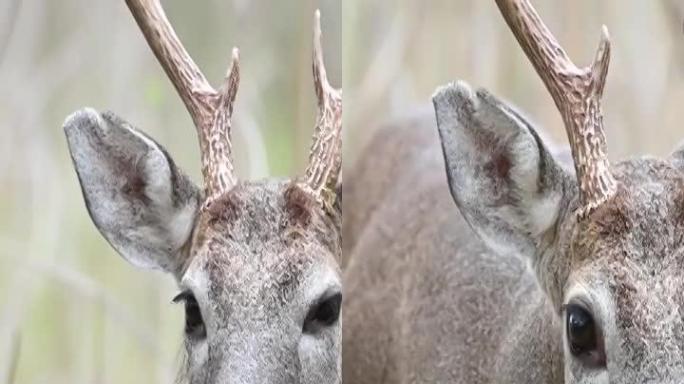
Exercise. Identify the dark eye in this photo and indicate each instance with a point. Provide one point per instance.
(583, 335)
(194, 325)
(323, 314)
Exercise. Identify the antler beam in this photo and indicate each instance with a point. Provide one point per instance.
(210, 109)
(577, 94)
(325, 159)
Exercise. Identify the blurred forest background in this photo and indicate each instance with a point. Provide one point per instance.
(71, 310)
(396, 52)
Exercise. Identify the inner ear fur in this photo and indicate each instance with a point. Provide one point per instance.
(142, 204)
(501, 175)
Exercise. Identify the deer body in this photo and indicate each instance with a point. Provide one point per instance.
(516, 269)
(426, 299)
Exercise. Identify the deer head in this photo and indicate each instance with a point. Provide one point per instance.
(256, 262)
(606, 242)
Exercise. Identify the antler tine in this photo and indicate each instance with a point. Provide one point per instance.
(577, 94)
(210, 110)
(325, 159)
(320, 75)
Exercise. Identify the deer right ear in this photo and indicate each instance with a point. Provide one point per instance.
(141, 203)
(504, 180)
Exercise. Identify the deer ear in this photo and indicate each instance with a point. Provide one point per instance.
(141, 203)
(502, 177)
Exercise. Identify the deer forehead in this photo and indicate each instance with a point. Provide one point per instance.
(642, 224)
(253, 244)
(630, 253)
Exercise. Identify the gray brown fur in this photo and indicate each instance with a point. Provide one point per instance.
(414, 264)
(261, 265)
(472, 292)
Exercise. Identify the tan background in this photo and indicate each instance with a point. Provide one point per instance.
(71, 310)
(398, 51)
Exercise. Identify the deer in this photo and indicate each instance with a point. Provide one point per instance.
(515, 268)
(256, 262)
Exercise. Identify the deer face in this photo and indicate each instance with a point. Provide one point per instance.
(262, 289)
(256, 262)
(621, 287)
(613, 275)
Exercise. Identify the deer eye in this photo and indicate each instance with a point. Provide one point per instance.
(583, 335)
(194, 324)
(323, 314)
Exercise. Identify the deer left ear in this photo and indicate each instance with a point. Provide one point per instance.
(504, 180)
(138, 199)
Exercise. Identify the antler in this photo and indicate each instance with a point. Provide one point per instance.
(577, 93)
(210, 109)
(325, 159)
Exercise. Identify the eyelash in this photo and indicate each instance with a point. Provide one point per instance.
(194, 321)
